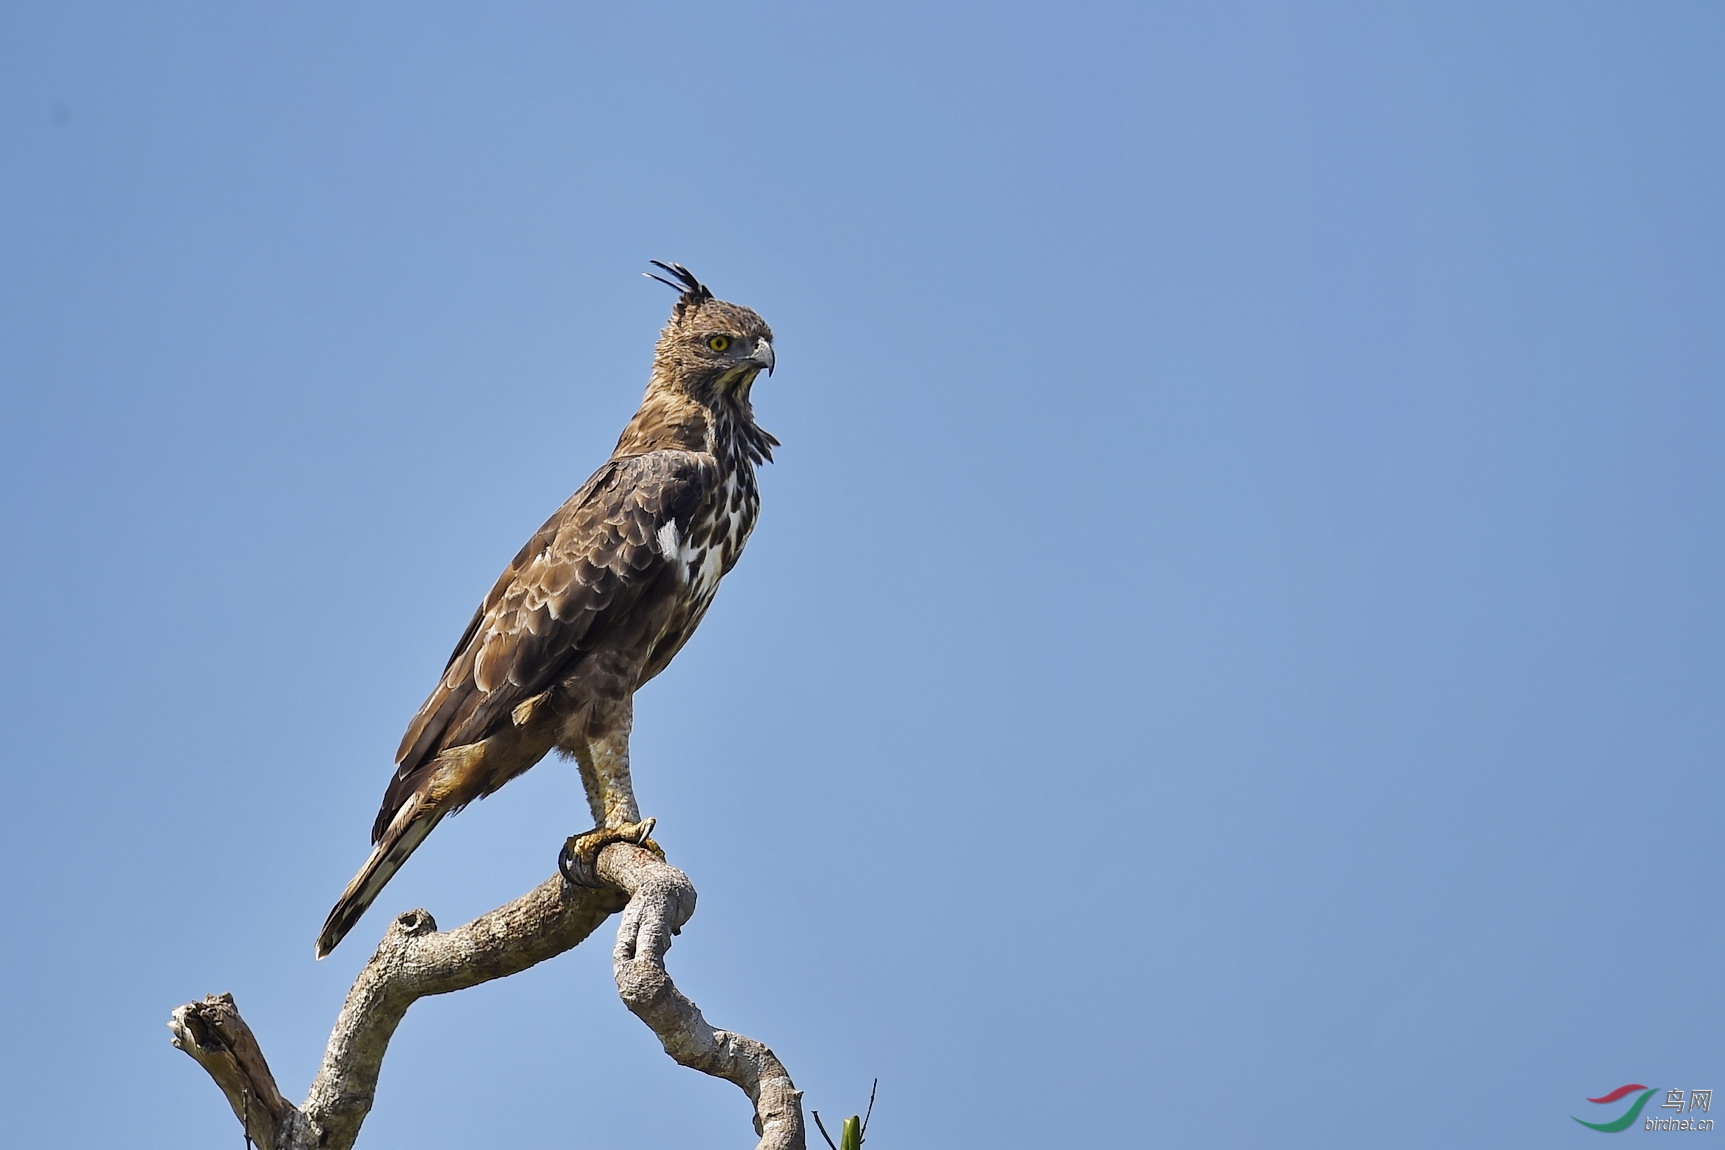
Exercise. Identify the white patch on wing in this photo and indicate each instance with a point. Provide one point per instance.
(668, 539)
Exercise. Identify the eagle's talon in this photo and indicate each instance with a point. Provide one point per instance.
(567, 864)
(578, 861)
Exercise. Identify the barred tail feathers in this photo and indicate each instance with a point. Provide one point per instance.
(400, 839)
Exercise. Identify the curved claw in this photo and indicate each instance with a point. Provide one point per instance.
(578, 861)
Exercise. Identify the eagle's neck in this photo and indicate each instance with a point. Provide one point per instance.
(720, 423)
(737, 440)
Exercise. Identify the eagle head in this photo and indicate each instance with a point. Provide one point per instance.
(710, 345)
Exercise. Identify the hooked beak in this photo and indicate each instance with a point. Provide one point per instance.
(763, 356)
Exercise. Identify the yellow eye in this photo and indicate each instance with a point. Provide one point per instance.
(718, 342)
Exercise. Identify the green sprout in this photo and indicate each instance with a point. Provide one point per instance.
(851, 1133)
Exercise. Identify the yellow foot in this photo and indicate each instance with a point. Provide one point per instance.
(579, 858)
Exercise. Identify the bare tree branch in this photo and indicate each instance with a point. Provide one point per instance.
(661, 901)
(213, 1033)
(415, 959)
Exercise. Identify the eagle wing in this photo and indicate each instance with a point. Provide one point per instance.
(583, 571)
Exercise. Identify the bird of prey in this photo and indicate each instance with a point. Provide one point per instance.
(596, 603)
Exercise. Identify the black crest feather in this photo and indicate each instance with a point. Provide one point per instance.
(691, 289)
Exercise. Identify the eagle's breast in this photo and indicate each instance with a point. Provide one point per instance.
(700, 553)
(716, 534)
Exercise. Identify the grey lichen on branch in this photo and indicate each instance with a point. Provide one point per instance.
(415, 960)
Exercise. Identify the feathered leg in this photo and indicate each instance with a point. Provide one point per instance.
(601, 747)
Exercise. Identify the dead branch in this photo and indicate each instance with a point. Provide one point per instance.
(661, 901)
(415, 959)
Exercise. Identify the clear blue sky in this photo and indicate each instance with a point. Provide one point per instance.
(1233, 654)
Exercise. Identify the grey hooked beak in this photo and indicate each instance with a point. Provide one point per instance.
(763, 356)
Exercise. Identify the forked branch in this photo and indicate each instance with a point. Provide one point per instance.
(415, 959)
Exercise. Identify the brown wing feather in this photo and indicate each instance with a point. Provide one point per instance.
(579, 574)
